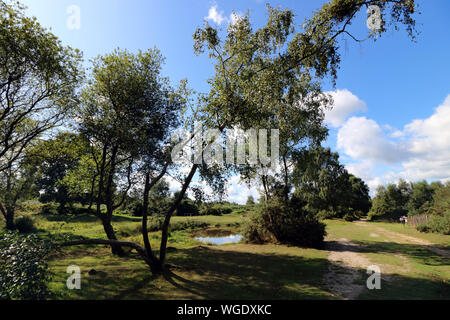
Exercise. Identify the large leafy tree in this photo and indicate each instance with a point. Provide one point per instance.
(38, 82)
(55, 158)
(126, 114)
(325, 186)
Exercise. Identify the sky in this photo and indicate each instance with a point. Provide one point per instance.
(391, 117)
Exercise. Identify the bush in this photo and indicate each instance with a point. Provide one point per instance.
(156, 225)
(24, 224)
(423, 228)
(437, 223)
(30, 206)
(353, 215)
(187, 208)
(23, 272)
(49, 209)
(215, 210)
(286, 224)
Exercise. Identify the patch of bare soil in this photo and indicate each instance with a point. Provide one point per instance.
(344, 274)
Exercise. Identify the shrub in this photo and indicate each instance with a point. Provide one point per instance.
(30, 206)
(437, 223)
(23, 272)
(156, 225)
(215, 210)
(49, 209)
(136, 209)
(188, 225)
(187, 208)
(353, 215)
(284, 223)
(440, 224)
(24, 224)
(423, 228)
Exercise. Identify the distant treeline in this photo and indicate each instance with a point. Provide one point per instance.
(413, 199)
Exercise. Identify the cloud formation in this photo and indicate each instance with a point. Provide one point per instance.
(218, 17)
(345, 104)
(421, 150)
(363, 138)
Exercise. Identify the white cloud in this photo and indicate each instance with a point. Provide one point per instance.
(421, 150)
(363, 138)
(239, 192)
(219, 17)
(216, 16)
(345, 104)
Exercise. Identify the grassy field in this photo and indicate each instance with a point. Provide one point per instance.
(413, 265)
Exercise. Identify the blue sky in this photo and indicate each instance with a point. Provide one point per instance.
(391, 119)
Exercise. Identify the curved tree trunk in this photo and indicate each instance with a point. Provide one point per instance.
(169, 212)
(109, 230)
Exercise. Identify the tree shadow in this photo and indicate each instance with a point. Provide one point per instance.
(419, 252)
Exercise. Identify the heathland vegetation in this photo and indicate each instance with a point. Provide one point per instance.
(86, 165)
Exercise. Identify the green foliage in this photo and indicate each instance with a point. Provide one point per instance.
(437, 223)
(390, 202)
(156, 225)
(286, 224)
(24, 224)
(55, 158)
(23, 272)
(44, 75)
(441, 200)
(187, 207)
(420, 198)
(250, 201)
(395, 200)
(326, 189)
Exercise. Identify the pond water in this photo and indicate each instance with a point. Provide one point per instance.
(234, 238)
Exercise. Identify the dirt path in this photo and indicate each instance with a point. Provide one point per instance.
(344, 271)
(345, 277)
(395, 236)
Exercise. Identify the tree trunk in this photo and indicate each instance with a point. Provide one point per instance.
(109, 230)
(9, 217)
(170, 211)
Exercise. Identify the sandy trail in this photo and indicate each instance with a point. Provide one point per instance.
(395, 236)
(344, 270)
(344, 276)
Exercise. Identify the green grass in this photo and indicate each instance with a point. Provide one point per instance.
(241, 271)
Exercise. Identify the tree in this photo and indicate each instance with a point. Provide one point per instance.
(16, 183)
(390, 201)
(38, 81)
(255, 68)
(326, 188)
(420, 198)
(250, 201)
(127, 112)
(54, 158)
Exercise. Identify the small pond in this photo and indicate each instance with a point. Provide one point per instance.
(234, 238)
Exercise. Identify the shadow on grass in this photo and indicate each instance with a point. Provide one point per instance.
(422, 253)
(213, 273)
(208, 273)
